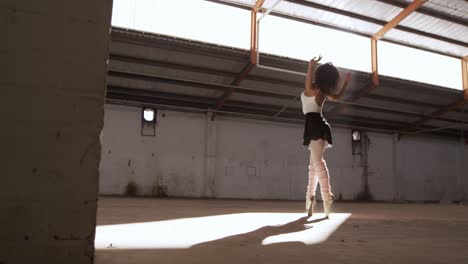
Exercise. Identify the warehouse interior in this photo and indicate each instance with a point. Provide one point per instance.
(125, 145)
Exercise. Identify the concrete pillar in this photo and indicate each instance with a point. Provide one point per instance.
(209, 183)
(397, 174)
(465, 170)
(53, 78)
(461, 183)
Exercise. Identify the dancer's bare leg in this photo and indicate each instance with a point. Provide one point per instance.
(319, 166)
(317, 148)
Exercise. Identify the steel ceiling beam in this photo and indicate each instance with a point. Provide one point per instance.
(402, 100)
(133, 91)
(227, 93)
(247, 91)
(397, 19)
(362, 92)
(381, 123)
(442, 128)
(451, 107)
(123, 95)
(386, 28)
(253, 56)
(171, 65)
(374, 63)
(159, 41)
(197, 69)
(388, 110)
(145, 100)
(195, 84)
(253, 31)
(374, 50)
(418, 123)
(122, 92)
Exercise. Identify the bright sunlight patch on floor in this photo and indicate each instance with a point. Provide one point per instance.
(188, 232)
(317, 230)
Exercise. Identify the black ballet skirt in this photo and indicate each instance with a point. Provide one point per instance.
(316, 127)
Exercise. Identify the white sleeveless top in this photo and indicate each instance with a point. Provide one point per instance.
(309, 105)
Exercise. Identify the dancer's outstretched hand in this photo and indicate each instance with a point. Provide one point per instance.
(315, 59)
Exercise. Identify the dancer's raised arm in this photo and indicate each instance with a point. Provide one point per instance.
(336, 97)
(309, 88)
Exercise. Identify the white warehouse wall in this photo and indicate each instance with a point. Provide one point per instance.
(231, 157)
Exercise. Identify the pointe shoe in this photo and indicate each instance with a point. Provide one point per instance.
(327, 206)
(310, 205)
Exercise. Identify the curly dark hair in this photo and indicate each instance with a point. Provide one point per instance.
(326, 78)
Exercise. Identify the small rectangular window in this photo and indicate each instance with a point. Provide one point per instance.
(148, 121)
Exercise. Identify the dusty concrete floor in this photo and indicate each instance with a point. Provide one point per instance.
(373, 233)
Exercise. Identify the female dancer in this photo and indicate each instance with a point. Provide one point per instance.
(319, 86)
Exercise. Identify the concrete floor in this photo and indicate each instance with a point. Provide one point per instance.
(242, 231)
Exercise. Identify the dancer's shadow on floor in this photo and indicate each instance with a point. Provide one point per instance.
(257, 236)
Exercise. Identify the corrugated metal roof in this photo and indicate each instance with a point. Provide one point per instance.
(314, 14)
(436, 26)
(457, 8)
(369, 8)
(426, 42)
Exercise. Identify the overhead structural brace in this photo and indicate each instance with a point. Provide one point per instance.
(254, 31)
(390, 25)
(253, 56)
(387, 27)
(374, 56)
(443, 110)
